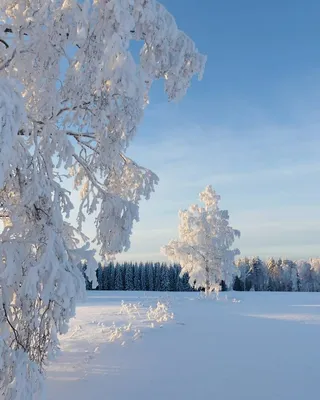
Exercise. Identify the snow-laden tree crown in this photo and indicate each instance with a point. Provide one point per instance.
(203, 247)
(71, 97)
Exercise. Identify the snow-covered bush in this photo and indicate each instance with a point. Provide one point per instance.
(130, 309)
(71, 98)
(160, 313)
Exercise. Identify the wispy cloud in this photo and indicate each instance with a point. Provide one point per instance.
(266, 170)
(267, 176)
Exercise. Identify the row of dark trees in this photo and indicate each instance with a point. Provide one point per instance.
(143, 276)
(251, 274)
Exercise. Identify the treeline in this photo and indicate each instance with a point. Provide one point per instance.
(144, 276)
(280, 275)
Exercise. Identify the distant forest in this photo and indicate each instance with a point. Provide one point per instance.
(251, 274)
(143, 276)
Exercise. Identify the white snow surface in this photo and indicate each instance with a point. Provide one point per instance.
(246, 346)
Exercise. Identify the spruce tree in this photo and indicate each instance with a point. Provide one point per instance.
(99, 276)
(238, 284)
(151, 270)
(119, 281)
(184, 283)
(157, 277)
(164, 278)
(128, 280)
(172, 279)
(137, 277)
(144, 277)
(111, 285)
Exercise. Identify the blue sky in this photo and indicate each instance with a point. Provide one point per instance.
(250, 128)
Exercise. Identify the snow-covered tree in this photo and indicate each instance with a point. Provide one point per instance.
(315, 268)
(257, 274)
(290, 276)
(305, 276)
(244, 273)
(205, 237)
(71, 97)
(274, 276)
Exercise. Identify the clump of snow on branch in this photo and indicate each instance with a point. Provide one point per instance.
(205, 237)
(11, 116)
(71, 98)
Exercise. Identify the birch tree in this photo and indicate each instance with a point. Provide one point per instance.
(203, 248)
(71, 98)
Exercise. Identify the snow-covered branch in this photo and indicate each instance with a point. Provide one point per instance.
(71, 97)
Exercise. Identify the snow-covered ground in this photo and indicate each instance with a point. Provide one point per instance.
(249, 346)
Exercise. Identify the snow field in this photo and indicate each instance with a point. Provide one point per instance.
(246, 346)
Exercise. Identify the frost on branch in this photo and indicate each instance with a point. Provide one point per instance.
(11, 117)
(71, 98)
(205, 238)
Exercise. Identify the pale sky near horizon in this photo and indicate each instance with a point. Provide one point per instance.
(250, 128)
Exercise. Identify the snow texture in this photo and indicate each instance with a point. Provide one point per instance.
(246, 346)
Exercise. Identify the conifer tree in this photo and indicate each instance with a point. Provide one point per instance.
(164, 278)
(137, 277)
(144, 277)
(129, 276)
(150, 270)
(119, 281)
